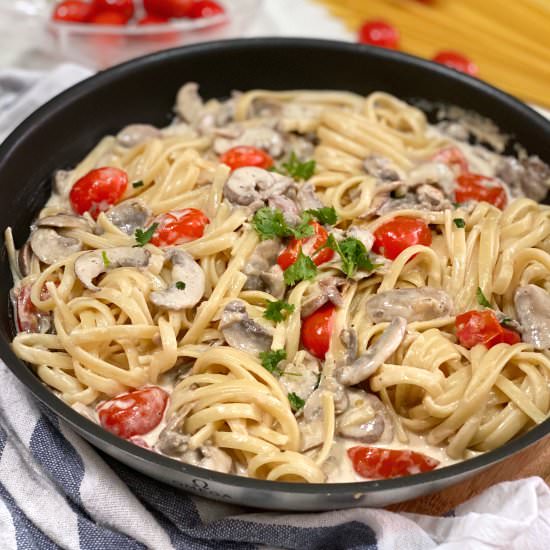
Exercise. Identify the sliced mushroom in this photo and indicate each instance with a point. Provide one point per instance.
(171, 440)
(348, 337)
(62, 183)
(50, 247)
(366, 419)
(184, 270)
(300, 376)
(92, 264)
(313, 409)
(261, 137)
(189, 104)
(533, 312)
(381, 168)
(262, 271)
(413, 304)
(64, 221)
(288, 207)
(250, 184)
(242, 332)
(24, 259)
(134, 134)
(530, 176)
(363, 367)
(431, 198)
(129, 215)
(325, 290)
(307, 199)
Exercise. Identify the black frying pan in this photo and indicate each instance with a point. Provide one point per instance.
(59, 134)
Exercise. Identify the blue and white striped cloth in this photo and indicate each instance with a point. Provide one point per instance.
(56, 491)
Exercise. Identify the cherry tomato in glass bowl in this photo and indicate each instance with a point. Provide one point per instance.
(168, 8)
(133, 413)
(179, 226)
(398, 234)
(98, 190)
(205, 8)
(471, 187)
(124, 7)
(482, 327)
(73, 11)
(379, 33)
(456, 61)
(317, 329)
(309, 246)
(244, 155)
(379, 463)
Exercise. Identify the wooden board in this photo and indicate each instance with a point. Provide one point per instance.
(533, 461)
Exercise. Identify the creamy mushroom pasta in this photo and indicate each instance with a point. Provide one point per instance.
(297, 286)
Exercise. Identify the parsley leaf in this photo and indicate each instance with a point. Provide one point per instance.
(303, 268)
(180, 285)
(481, 299)
(303, 229)
(137, 184)
(326, 215)
(270, 359)
(106, 261)
(270, 223)
(459, 222)
(143, 237)
(296, 402)
(299, 170)
(353, 253)
(278, 310)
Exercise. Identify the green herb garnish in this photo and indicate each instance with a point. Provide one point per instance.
(137, 184)
(353, 254)
(106, 261)
(326, 215)
(481, 299)
(143, 237)
(459, 222)
(507, 321)
(303, 268)
(296, 402)
(180, 285)
(270, 223)
(270, 359)
(297, 169)
(278, 310)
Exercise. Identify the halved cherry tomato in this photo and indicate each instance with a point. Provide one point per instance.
(482, 327)
(379, 463)
(168, 8)
(204, 8)
(379, 33)
(153, 20)
(27, 319)
(108, 18)
(133, 413)
(243, 155)
(98, 190)
(470, 187)
(316, 330)
(452, 157)
(73, 11)
(179, 226)
(309, 246)
(456, 61)
(123, 7)
(507, 336)
(394, 236)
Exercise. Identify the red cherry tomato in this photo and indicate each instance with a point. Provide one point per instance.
(379, 463)
(482, 327)
(153, 20)
(379, 33)
(72, 11)
(456, 61)
(452, 157)
(309, 246)
(316, 330)
(243, 155)
(124, 7)
(507, 336)
(204, 8)
(133, 413)
(108, 18)
(98, 190)
(168, 8)
(27, 319)
(394, 236)
(470, 187)
(179, 226)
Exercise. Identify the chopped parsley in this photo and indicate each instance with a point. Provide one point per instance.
(143, 237)
(326, 215)
(270, 223)
(137, 184)
(297, 169)
(481, 299)
(303, 268)
(106, 261)
(270, 359)
(353, 253)
(277, 310)
(507, 321)
(459, 222)
(296, 402)
(180, 285)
